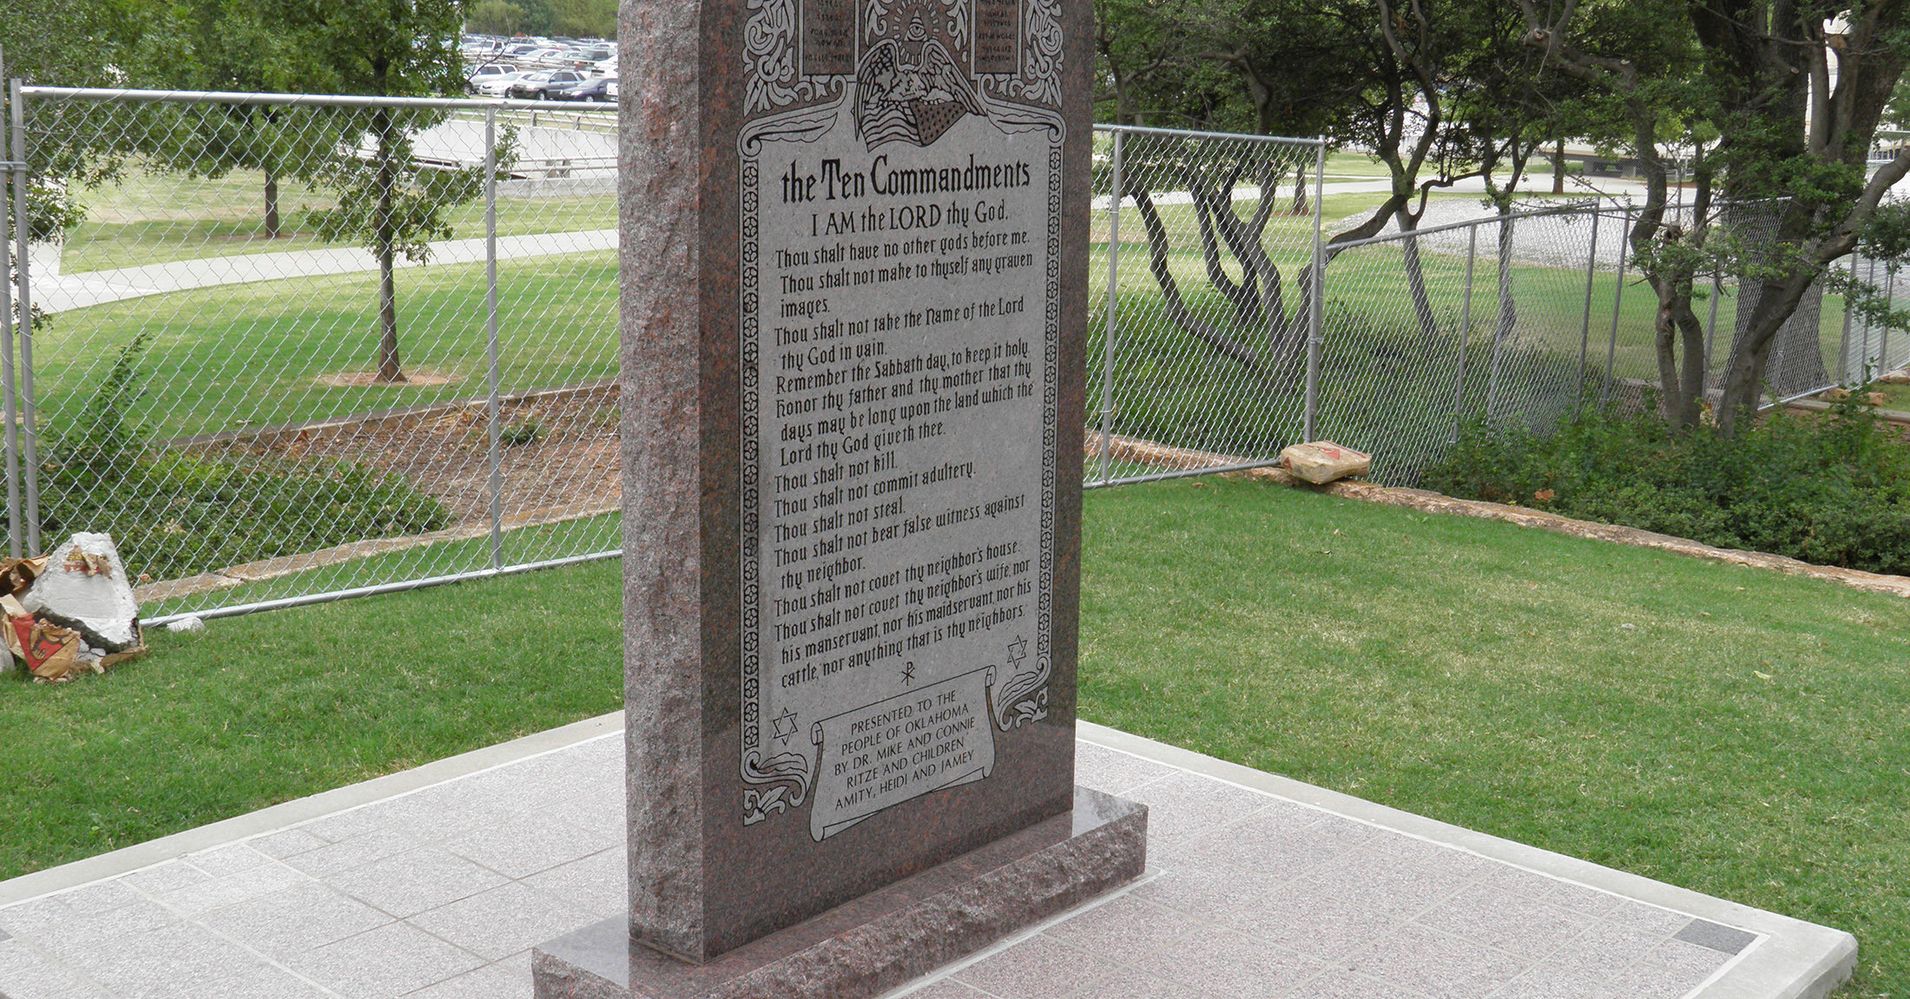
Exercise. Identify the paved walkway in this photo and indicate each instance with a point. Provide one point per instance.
(436, 884)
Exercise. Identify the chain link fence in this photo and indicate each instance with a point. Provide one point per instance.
(1474, 314)
(295, 348)
(310, 346)
(1202, 297)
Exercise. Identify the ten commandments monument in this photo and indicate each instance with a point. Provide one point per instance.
(854, 238)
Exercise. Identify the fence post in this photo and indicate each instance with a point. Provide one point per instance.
(1870, 281)
(1618, 299)
(1585, 327)
(1111, 323)
(13, 185)
(25, 434)
(1500, 330)
(1316, 304)
(1883, 339)
(1843, 342)
(1711, 324)
(1465, 335)
(490, 334)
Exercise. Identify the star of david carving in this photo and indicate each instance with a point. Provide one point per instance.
(784, 726)
(1017, 650)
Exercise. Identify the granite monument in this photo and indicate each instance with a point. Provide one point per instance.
(854, 238)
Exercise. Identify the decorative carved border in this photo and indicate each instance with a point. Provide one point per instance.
(772, 70)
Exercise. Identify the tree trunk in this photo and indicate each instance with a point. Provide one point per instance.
(1299, 188)
(1558, 167)
(1677, 331)
(271, 205)
(390, 370)
(1416, 275)
(1171, 301)
(1744, 379)
(1508, 305)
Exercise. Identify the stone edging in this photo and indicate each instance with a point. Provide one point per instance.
(1426, 501)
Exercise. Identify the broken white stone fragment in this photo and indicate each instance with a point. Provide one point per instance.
(85, 588)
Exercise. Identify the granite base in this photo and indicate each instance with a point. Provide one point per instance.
(883, 939)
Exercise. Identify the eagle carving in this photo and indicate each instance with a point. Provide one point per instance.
(911, 91)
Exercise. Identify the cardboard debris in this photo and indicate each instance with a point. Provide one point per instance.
(16, 574)
(49, 651)
(1321, 462)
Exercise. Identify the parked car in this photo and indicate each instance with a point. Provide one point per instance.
(536, 86)
(477, 76)
(498, 86)
(602, 88)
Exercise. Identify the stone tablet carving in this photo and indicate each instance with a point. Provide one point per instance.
(900, 229)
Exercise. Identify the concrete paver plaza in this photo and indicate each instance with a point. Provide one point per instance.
(437, 883)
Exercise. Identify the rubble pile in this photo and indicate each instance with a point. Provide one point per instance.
(71, 612)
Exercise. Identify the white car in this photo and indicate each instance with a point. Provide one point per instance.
(496, 86)
(488, 71)
(534, 86)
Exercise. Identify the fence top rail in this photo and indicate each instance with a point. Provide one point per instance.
(1176, 133)
(310, 100)
(1571, 208)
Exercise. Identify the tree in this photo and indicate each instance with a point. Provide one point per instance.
(1389, 76)
(224, 45)
(1214, 66)
(69, 43)
(385, 200)
(496, 17)
(1745, 85)
(584, 18)
(63, 43)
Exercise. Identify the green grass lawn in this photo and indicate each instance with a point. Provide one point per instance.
(250, 355)
(523, 546)
(154, 218)
(253, 355)
(1733, 731)
(1895, 397)
(273, 707)
(1738, 732)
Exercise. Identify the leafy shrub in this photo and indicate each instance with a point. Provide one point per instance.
(1831, 488)
(174, 514)
(520, 433)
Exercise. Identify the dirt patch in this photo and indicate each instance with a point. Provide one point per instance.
(572, 464)
(369, 379)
